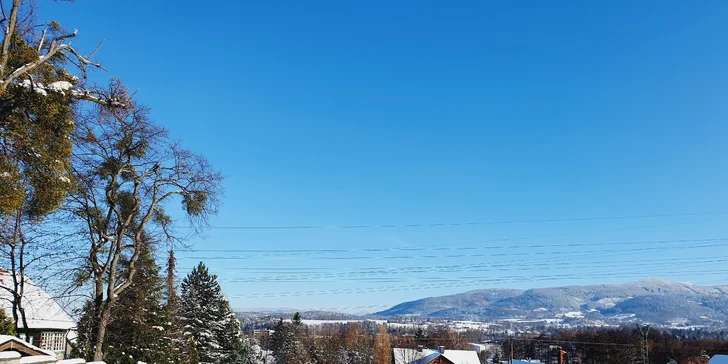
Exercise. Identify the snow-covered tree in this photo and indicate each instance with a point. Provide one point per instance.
(287, 348)
(209, 321)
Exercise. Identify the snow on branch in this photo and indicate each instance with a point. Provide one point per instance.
(57, 46)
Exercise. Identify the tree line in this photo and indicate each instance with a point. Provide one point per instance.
(369, 343)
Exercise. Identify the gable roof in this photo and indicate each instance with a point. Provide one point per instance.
(410, 356)
(12, 343)
(719, 359)
(41, 311)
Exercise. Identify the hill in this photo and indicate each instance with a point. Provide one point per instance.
(652, 300)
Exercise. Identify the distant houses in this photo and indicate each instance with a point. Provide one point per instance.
(49, 326)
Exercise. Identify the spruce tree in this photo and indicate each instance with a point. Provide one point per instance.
(208, 319)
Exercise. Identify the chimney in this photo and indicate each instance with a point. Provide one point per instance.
(419, 348)
(441, 349)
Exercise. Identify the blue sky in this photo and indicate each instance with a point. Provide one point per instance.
(330, 113)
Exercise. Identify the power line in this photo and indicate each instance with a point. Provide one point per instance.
(442, 245)
(293, 252)
(561, 257)
(479, 267)
(389, 226)
(437, 256)
(473, 282)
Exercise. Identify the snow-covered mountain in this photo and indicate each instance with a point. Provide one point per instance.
(652, 300)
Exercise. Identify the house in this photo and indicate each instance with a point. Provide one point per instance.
(479, 348)
(439, 356)
(719, 359)
(49, 325)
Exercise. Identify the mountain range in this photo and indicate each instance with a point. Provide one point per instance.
(654, 301)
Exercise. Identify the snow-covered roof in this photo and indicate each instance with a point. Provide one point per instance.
(719, 359)
(409, 356)
(4, 339)
(462, 356)
(41, 311)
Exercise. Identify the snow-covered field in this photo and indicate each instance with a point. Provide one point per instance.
(324, 322)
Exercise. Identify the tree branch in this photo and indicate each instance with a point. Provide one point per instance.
(54, 49)
(9, 31)
(42, 40)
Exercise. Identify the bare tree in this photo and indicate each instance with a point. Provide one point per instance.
(127, 171)
(31, 249)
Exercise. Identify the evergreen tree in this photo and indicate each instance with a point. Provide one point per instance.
(208, 319)
(420, 337)
(7, 326)
(297, 319)
(85, 330)
(287, 349)
(140, 320)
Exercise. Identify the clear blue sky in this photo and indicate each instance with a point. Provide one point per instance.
(333, 113)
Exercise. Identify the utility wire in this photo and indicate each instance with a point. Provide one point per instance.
(388, 226)
(445, 245)
(722, 242)
(294, 252)
(475, 282)
(479, 267)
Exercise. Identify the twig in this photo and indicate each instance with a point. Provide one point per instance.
(42, 40)
(95, 50)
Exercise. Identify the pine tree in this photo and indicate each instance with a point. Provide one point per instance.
(208, 319)
(382, 348)
(297, 319)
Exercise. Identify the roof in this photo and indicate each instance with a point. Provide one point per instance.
(409, 356)
(41, 311)
(8, 343)
(719, 359)
(462, 356)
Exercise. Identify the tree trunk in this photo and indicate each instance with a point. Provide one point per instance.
(103, 323)
(97, 335)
